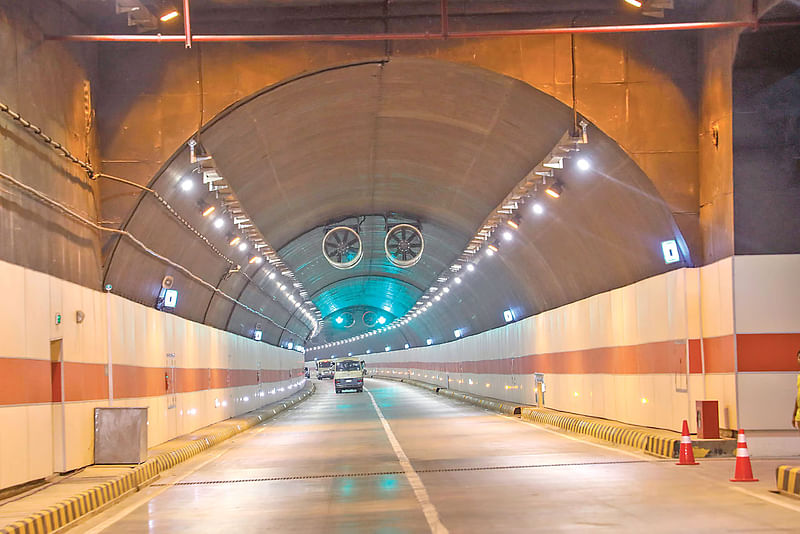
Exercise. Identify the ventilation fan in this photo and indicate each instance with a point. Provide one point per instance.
(342, 247)
(370, 318)
(404, 245)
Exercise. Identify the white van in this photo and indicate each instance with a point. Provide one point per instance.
(349, 374)
(324, 369)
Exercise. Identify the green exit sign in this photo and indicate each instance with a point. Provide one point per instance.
(58, 319)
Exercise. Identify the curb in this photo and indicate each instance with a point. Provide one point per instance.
(175, 451)
(788, 480)
(627, 435)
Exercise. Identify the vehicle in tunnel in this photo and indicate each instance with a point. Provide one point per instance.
(349, 375)
(325, 369)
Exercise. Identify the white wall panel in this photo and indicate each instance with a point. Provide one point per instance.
(767, 293)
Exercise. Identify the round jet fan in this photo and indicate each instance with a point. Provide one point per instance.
(342, 247)
(370, 318)
(404, 245)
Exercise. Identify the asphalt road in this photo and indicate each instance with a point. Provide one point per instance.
(398, 459)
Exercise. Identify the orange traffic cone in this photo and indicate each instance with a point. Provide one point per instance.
(686, 456)
(744, 471)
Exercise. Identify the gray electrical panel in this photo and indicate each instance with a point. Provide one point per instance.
(120, 435)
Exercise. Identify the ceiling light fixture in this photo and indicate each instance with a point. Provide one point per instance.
(514, 222)
(219, 222)
(242, 246)
(508, 236)
(470, 267)
(538, 209)
(169, 15)
(208, 211)
(235, 241)
(583, 164)
(634, 3)
(555, 189)
(187, 185)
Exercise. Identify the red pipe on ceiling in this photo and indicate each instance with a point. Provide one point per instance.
(630, 28)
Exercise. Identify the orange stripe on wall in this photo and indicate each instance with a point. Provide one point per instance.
(648, 358)
(768, 352)
(85, 381)
(719, 354)
(24, 381)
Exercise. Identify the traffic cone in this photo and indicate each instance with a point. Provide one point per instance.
(686, 456)
(744, 471)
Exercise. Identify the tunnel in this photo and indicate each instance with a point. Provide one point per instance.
(407, 266)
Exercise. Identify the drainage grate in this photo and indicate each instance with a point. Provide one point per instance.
(383, 473)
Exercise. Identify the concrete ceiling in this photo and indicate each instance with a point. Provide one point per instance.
(424, 140)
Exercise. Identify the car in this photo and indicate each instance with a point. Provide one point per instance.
(349, 375)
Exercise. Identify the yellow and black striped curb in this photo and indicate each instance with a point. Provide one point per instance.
(162, 457)
(620, 434)
(627, 435)
(788, 479)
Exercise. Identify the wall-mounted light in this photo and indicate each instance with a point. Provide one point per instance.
(508, 315)
(256, 260)
(290, 345)
(257, 335)
(457, 332)
(407, 345)
(555, 189)
(429, 341)
(387, 348)
(381, 320)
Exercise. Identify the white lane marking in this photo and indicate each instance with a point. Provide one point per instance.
(613, 449)
(767, 498)
(431, 515)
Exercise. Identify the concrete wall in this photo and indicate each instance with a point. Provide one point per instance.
(116, 356)
(645, 353)
(52, 86)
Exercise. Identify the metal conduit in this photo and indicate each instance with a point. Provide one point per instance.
(41, 197)
(629, 28)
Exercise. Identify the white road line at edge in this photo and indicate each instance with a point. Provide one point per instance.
(767, 498)
(431, 515)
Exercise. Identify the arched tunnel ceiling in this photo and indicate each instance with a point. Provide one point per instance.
(439, 143)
